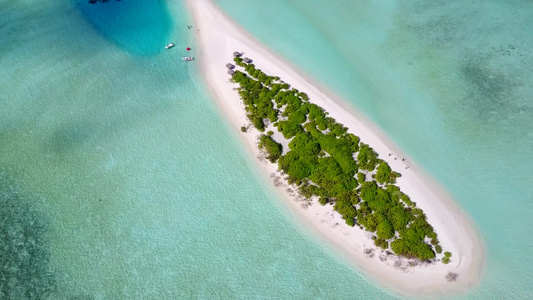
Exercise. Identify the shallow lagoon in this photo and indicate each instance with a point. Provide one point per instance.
(135, 186)
(134, 180)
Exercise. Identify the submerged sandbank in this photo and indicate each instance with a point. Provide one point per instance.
(218, 37)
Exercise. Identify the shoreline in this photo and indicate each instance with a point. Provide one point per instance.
(217, 38)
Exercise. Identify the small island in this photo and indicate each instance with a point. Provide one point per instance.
(327, 163)
(309, 144)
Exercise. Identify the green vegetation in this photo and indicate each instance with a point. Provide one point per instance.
(328, 163)
(361, 178)
(447, 258)
(383, 244)
(367, 158)
(243, 128)
(273, 149)
(384, 174)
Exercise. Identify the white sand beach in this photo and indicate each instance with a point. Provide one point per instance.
(217, 38)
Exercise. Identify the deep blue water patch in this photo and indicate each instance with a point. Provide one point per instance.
(141, 27)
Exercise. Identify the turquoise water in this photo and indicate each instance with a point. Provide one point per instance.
(120, 180)
(450, 82)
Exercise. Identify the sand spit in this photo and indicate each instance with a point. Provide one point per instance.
(218, 37)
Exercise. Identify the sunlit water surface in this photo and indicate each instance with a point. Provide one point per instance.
(120, 180)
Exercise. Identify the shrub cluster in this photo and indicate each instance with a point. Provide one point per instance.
(447, 257)
(272, 148)
(327, 162)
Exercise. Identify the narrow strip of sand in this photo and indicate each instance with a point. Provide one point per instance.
(218, 37)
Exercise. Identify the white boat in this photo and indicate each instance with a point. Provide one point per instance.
(170, 46)
(187, 58)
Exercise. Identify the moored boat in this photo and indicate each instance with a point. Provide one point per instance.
(170, 46)
(187, 58)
